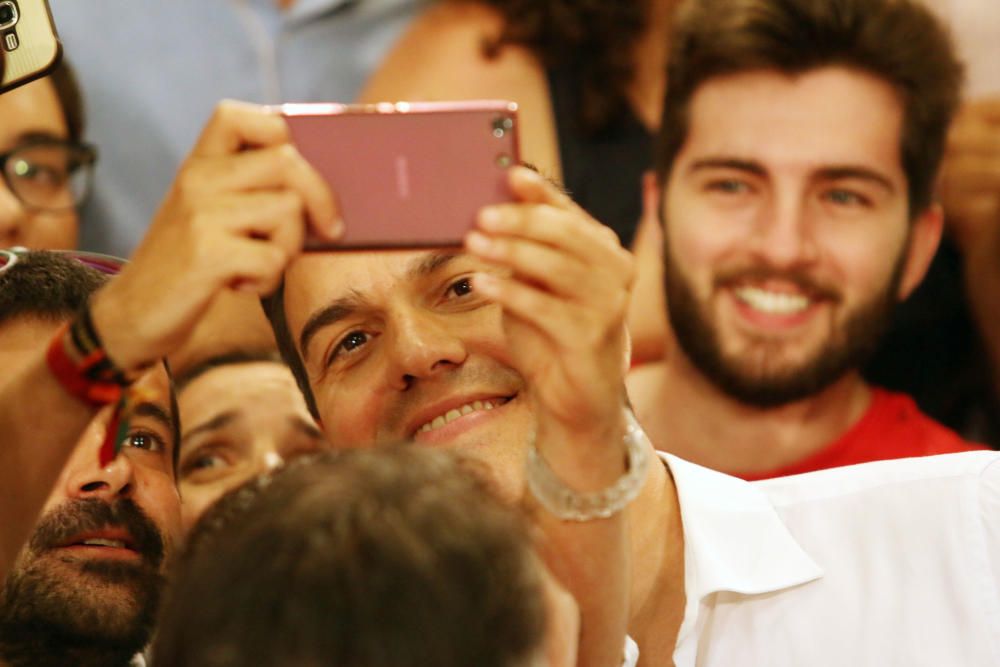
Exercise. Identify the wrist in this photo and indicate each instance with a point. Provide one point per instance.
(565, 502)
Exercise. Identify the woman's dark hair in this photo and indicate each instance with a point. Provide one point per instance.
(70, 98)
(595, 37)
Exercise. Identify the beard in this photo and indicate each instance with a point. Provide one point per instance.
(759, 379)
(56, 609)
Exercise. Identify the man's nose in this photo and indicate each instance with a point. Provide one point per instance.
(117, 479)
(783, 233)
(422, 344)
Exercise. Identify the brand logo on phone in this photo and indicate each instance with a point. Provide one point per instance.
(402, 177)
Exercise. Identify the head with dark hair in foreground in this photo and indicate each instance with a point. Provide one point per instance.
(363, 558)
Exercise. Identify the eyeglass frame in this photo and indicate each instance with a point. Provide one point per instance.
(87, 151)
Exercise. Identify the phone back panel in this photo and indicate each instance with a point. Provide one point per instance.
(408, 175)
(36, 49)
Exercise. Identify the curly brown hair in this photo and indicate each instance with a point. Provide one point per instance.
(595, 37)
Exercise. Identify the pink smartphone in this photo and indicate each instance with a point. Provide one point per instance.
(408, 174)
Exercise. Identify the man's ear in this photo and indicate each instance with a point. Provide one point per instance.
(925, 236)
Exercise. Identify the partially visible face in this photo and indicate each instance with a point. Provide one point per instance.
(788, 238)
(92, 570)
(398, 346)
(239, 420)
(33, 112)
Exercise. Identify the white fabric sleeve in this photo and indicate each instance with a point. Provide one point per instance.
(631, 653)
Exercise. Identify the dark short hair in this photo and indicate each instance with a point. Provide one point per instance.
(897, 41)
(384, 557)
(274, 309)
(47, 285)
(67, 88)
(54, 287)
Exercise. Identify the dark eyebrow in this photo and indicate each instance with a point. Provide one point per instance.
(346, 306)
(330, 314)
(212, 424)
(36, 136)
(155, 412)
(427, 264)
(728, 163)
(862, 173)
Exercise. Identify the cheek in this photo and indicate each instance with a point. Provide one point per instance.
(158, 496)
(52, 231)
(860, 259)
(349, 417)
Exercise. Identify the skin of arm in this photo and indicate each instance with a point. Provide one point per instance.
(440, 57)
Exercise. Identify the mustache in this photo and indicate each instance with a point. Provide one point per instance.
(800, 279)
(89, 515)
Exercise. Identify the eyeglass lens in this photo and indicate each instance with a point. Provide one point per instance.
(49, 176)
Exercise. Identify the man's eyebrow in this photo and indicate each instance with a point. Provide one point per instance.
(34, 136)
(216, 422)
(324, 317)
(155, 412)
(863, 173)
(728, 163)
(428, 263)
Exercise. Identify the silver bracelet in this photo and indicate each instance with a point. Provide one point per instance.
(565, 503)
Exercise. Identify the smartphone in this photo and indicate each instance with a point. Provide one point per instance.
(408, 174)
(29, 46)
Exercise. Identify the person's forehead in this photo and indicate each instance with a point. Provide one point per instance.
(244, 388)
(832, 116)
(317, 279)
(32, 109)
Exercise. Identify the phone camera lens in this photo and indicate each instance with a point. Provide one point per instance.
(8, 14)
(500, 126)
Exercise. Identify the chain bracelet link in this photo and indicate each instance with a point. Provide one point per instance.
(565, 503)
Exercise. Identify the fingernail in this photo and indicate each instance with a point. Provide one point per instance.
(336, 227)
(490, 219)
(478, 243)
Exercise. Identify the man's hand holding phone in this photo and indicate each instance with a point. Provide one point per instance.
(234, 217)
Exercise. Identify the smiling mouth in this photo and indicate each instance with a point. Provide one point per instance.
(772, 303)
(462, 411)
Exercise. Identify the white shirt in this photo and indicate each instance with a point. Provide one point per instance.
(888, 563)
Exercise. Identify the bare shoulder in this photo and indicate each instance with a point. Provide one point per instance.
(441, 57)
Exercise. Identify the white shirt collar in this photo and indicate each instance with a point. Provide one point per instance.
(734, 539)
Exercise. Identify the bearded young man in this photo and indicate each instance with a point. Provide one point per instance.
(84, 588)
(796, 182)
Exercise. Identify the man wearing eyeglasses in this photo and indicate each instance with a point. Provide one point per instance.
(46, 167)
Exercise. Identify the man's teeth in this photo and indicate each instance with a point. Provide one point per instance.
(101, 542)
(454, 414)
(772, 302)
